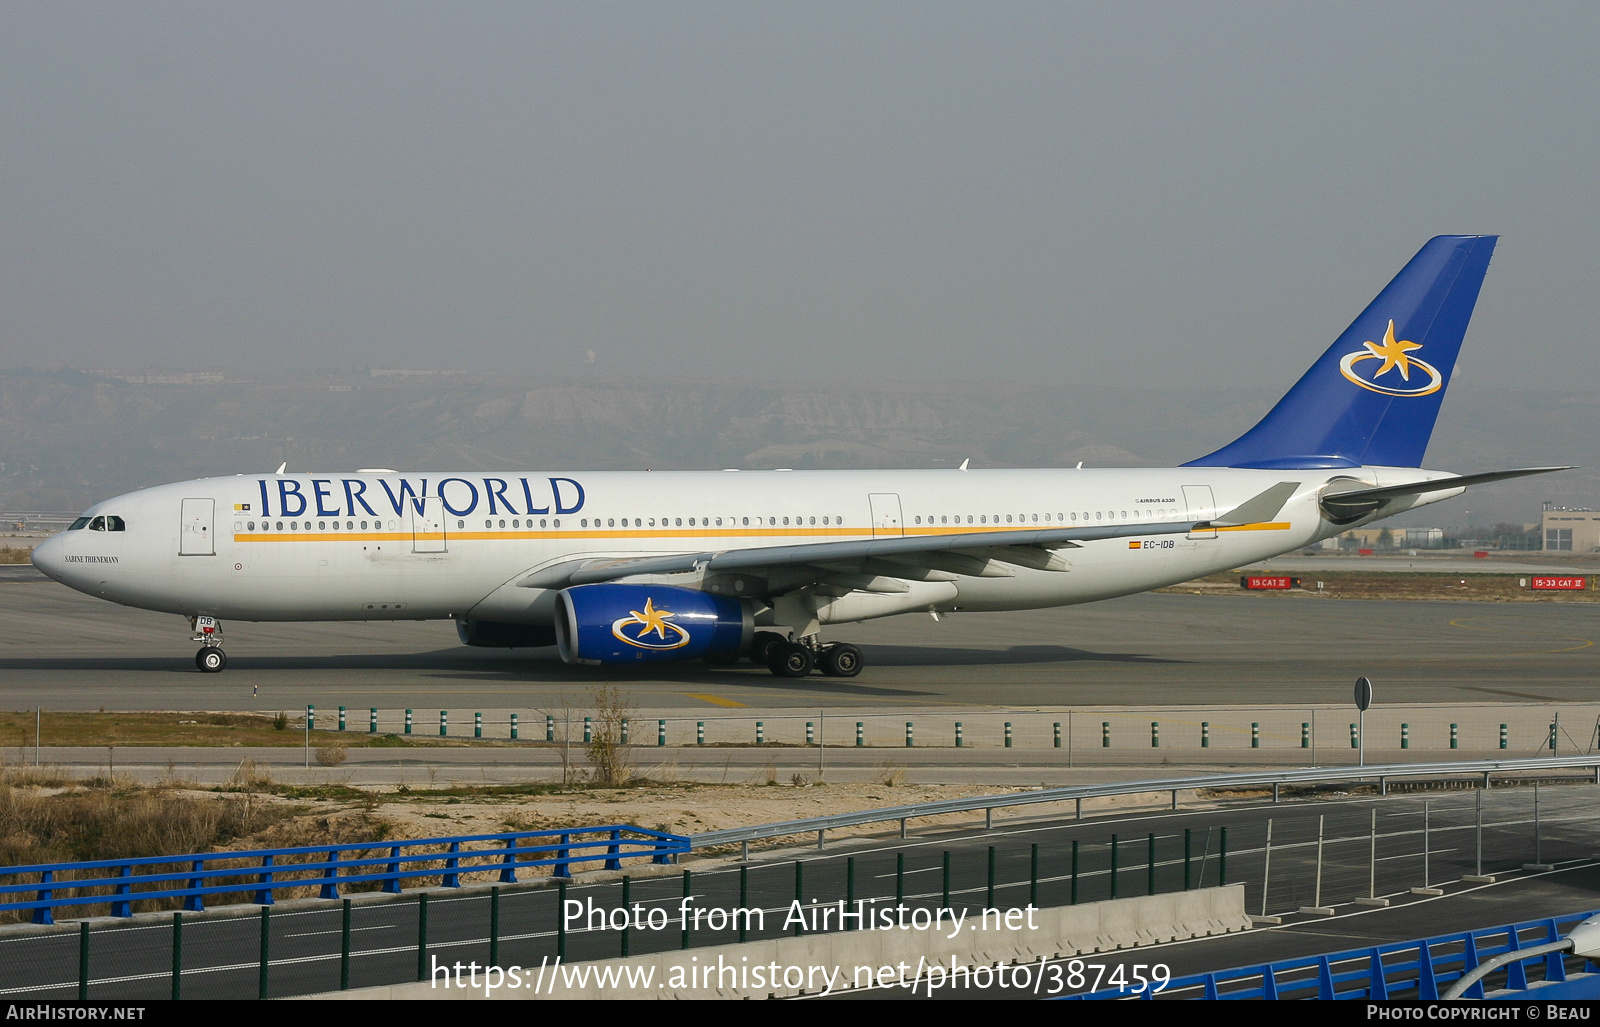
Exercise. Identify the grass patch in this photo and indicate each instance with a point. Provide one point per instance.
(1485, 586)
(47, 816)
(198, 729)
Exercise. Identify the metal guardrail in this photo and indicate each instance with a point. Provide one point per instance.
(1401, 970)
(126, 881)
(1078, 793)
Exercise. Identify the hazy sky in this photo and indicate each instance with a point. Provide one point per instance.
(1161, 194)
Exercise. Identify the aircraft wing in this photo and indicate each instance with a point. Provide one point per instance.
(972, 552)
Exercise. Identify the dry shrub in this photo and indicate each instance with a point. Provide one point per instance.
(612, 762)
(172, 780)
(21, 775)
(37, 827)
(332, 754)
(91, 825)
(250, 777)
(891, 775)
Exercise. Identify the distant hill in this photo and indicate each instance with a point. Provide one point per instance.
(69, 438)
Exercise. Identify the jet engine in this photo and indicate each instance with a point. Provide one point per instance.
(491, 634)
(610, 623)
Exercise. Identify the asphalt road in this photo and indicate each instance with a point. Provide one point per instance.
(64, 650)
(221, 955)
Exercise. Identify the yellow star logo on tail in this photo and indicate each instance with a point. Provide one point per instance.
(1393, 353)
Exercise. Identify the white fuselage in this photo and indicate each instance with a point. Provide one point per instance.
(390, 546)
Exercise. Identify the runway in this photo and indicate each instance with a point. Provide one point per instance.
(64, 650)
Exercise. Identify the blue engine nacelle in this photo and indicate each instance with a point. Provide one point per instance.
(634, 623)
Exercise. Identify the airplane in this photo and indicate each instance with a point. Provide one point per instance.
(627, 568)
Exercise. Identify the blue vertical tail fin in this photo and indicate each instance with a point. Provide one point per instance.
(1373, 397)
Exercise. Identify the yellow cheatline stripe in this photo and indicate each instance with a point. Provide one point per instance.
(715, 700)
(648, 533)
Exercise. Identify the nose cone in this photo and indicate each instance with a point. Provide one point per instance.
(49, 557)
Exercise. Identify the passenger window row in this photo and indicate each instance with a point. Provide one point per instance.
(706, 522)
(1060, 518)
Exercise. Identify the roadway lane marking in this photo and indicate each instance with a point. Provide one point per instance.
(313, 934)
(715, 700)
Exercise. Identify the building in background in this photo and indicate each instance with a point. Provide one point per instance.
(1570, 530)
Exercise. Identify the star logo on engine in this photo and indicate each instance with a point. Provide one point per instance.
(636, 628)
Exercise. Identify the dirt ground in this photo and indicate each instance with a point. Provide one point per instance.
(674, 808)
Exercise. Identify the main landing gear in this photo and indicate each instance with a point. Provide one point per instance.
(797, 659)
(208, 631)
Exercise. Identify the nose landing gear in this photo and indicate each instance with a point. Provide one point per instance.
(208, 631)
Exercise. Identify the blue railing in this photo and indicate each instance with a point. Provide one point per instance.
(261, 872)
(1402, 970)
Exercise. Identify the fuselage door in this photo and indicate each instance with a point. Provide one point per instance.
(1202, 506)
(886, 519)
(195, 538)
(427, 525)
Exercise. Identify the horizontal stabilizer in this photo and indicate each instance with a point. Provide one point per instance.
(1345, 506)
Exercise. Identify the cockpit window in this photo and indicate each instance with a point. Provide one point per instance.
(81, 522)
(98, 524)
(115, 523)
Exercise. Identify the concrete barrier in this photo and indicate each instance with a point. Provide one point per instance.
(1059, 932)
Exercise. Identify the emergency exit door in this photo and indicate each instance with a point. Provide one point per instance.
(1202, 507)
(427, 525)
(194, 538)
(886, 519)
